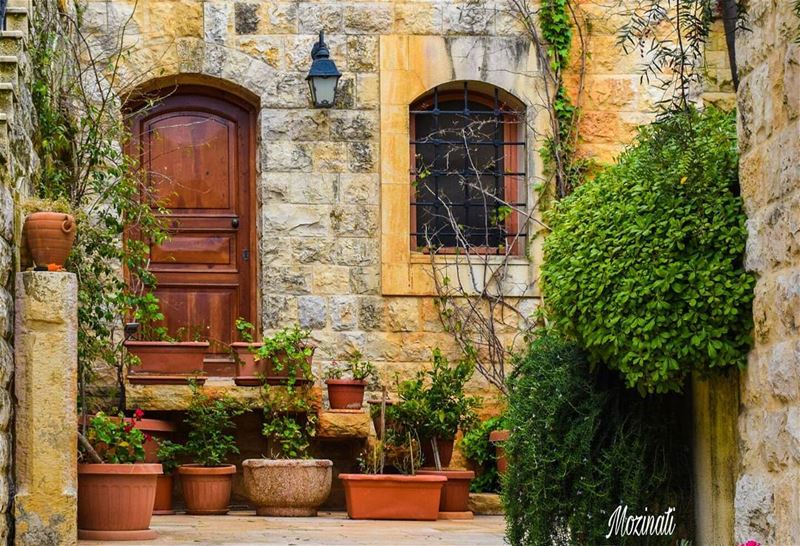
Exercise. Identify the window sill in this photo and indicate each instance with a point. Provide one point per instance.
(476, 259)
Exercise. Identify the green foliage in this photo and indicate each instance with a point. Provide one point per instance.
(80, 137)
(290, 422)
(116, 440)
(433, 404)
(476, 447)
(644, 264)
(356, 367)
(168, 453)
(210, 421)
(288, 349)
(581, 444)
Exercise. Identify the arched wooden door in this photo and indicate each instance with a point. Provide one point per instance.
(196, 153)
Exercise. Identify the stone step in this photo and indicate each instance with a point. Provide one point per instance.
(6, 97)
(11, 42)
(4, 144)
(8, 69)
(17, 19)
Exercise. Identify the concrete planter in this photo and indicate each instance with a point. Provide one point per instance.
(115, 501)
(391, 496)
(287, 487)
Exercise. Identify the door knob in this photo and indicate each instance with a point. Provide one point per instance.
(235, 222)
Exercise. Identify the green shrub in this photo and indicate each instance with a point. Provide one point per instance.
(582, 444)
(477, 448)
(644, 264)
(210, 422)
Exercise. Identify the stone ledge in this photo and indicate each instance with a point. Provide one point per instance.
(486, 504)
(177, 397)
(344, 424)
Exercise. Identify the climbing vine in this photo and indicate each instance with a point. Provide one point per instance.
(80, 135)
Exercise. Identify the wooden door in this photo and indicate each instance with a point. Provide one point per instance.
(196, 153)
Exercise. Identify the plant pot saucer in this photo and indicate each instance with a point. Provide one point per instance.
(142, 534)
(164, 379)
(456, 515)
(164, 512)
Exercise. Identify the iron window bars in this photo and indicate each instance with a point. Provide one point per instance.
(467, 171)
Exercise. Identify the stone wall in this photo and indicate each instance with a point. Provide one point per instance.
(325, 210)
(767, 499)
(17, 161)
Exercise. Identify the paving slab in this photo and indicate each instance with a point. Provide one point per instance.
(329, 529)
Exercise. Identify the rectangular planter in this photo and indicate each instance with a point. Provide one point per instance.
(385, 496)
(252, 372)
(181, 358)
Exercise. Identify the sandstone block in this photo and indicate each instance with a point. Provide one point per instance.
(369, 18)
(343, 424)
(418, 18)
(486, 504)
(362, 53)
(312, 311)
(344, 312)
(468, 18)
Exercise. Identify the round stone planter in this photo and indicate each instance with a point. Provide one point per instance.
(115, 501)
(290, 487)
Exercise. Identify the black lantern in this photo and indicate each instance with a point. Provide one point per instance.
(323, 76)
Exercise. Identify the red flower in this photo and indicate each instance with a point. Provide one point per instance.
(138, 414)
(128, 427)
(750, 543)
(147, 437)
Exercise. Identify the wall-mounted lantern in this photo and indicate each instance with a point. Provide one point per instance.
(324, 76)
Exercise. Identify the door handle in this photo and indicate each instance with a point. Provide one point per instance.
(235, 222)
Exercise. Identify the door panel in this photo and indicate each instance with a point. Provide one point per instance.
(195, 148)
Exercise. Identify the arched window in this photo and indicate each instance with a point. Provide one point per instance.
(468, 170)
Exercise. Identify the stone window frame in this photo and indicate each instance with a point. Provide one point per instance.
(410, 66)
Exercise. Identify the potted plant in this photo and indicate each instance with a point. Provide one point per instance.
(116, 492)
(288, 482)
(478, 448)
(435, 406)
(206, 483)
(498, 438)
(348, 393)
(374, 494)
(158, 357)
(49, 231)
(282, 358)
(167, 456)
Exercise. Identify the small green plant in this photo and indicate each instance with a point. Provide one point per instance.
(115, 439)
(476, 447)
(245, 330)
(356, 366)
(287, 349)
(210, 421)
(32, 204)
(168, 453)
(433, 404)
(289, 420)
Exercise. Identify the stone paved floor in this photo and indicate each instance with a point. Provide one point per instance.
(330, 529)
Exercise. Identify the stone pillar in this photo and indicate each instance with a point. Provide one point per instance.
(715, 403)
(46, 337)
(768, 485)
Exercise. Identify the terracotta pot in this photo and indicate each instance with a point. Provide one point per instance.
(497, 437)
(455, 493)
(287, 487)
(115, 501)
(50, 236)
(206, 489)
(158, 429)
(445, 451)
(163, 503)
(346, 393)
(389, 496)
(251, 372)
(182, 358)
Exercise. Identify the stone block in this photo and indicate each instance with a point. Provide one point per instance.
(468, 18)
(344, 424)
(278, 18)
(344, 312)
(312, 311)
(215, 21)
(418, 18)
(486, 504)
(246, 18)
(362, 53)
(45, 504)
(353, 125)
(368, 18)
(314, 17)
